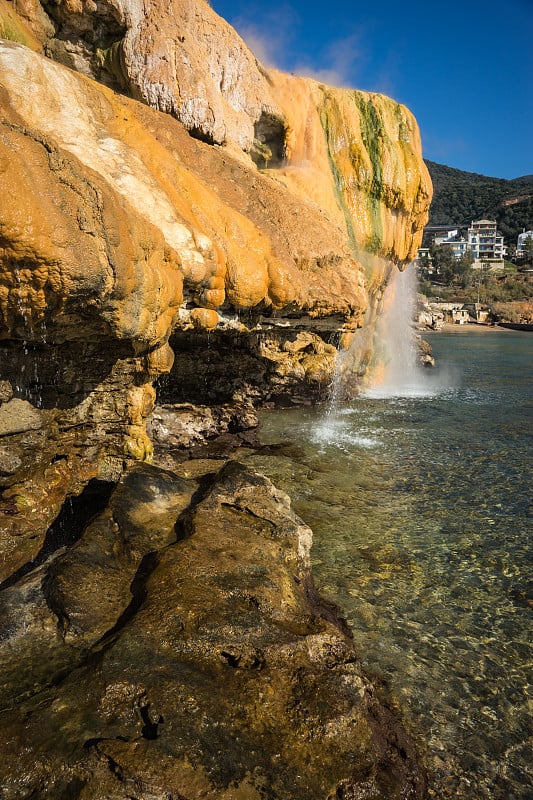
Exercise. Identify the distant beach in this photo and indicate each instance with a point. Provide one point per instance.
(452, 327)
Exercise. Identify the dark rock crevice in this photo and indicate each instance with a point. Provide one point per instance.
(151, 722)
(54, 601)
(76, 513)
(138, 595)
(268, 366)
(88, 42)
(202, 135)
(269, 146)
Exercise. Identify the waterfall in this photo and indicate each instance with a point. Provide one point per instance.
(397, 369)
(382, 361)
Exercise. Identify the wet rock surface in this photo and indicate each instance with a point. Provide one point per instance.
(184, 429)
(281, 362)
(178, 649)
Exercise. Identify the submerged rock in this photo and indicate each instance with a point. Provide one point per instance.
(425, 352)
(179, 649)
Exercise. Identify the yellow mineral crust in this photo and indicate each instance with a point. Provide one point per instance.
(71, 237)
(112, 212)
(15, 29)
(357, 155)
(114, 207)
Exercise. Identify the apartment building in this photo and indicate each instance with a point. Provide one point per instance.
(485, 243)
(482, 240)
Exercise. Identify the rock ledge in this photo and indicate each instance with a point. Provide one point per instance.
(178, 649)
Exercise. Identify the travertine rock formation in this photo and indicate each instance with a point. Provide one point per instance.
(173, 218)
(352, 152)
(120, 233)
(118, 227)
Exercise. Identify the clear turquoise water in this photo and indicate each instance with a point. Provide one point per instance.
(421, 512)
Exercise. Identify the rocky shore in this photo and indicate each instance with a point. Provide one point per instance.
(476, 328)
(178, 649)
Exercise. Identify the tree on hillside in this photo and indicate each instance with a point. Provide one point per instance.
(528, 250)
(443, 260)
(449, 269)
(425, 266)
(463, 269)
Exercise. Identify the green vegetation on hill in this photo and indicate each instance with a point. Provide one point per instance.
(489, 289)
(460, 197)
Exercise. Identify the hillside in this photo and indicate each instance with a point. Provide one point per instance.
(460, 197)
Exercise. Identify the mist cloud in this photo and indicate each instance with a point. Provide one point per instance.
(343, 60)
(271, 36)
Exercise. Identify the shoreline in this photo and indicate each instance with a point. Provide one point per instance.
(471, 327)
(230, 644)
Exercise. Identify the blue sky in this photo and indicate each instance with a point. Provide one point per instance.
(465, 69)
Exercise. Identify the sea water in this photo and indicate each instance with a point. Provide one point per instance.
(421, 511)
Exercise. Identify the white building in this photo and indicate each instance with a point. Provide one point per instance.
(444, 237)
(483, 241)
(452, 239)
(459, 247)
(520, 247)
(486, 243)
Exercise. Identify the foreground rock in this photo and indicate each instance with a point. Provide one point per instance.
(178, 649)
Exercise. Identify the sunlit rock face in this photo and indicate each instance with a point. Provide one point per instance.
(358, 190)
(357, 154)
(354, 153)
(152, 210)
(179, 57)
(242, 235)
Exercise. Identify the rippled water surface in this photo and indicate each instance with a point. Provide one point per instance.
(421, 512)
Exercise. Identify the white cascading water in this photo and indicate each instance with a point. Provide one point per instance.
(398, 372)
(395, 371)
